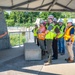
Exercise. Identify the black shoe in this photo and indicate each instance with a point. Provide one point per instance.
(54, 58)
(46, 52)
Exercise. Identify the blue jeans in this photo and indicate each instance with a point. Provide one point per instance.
(61, 46)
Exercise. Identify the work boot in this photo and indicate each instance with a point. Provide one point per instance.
(54, 58)
(46, 52)
(67, 59)
(70, 61)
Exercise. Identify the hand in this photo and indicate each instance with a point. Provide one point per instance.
(56, 37)
(46, 31)
(69, 43)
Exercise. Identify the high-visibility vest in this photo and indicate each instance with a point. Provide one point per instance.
(41, 36)
(67, 35)
(35, 31)
(61, 32)
(51, 34)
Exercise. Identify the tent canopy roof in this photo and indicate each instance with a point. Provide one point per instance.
(38, 5)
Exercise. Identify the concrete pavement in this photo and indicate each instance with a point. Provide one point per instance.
(18, 66)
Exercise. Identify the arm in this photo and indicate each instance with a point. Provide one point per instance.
(3, 35)
(49, 28)
(71, 33)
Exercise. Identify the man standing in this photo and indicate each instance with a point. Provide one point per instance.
(49, 38)
(61, 46)
(54, 44)
(69, 37)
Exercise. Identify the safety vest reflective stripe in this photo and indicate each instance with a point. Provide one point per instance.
(67, 34)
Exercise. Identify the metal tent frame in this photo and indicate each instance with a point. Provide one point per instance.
(38, 5)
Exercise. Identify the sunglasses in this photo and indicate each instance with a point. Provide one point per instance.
(68, 22)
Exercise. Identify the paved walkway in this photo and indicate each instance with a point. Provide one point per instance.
(18, 66)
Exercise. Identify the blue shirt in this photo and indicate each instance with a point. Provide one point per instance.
(50, 27)
(72, 31)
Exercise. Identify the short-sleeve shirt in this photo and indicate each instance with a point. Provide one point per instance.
(72, 31)
(50, 27)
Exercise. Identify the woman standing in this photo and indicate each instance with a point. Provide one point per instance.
(41, 36)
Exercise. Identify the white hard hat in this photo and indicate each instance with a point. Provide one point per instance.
(51, 16)
(70, 20)
(55, 20)
(60, 20)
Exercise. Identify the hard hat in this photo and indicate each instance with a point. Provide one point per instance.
(60, 20)
(70, 20)
(43, 22)
(51, 16)
(55, 20)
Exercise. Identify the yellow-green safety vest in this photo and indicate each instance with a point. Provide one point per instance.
(51, 34)
(35, 32)
(61, 32)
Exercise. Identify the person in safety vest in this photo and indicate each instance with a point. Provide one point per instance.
(69, 37)
(49, 38)
(54, 44)
(41, 36)
(61, 46)
(35, 30)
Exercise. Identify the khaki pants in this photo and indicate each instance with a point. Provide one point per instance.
(70, 50)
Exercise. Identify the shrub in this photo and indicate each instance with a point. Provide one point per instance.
(10, 22)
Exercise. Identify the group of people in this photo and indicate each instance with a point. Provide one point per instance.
(50, 37)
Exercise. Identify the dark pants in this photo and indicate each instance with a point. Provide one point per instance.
(55, 49)
(49, 49)
(42, 45)
(36, 40)
(45, 43)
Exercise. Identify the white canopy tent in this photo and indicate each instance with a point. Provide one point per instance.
(38, 5)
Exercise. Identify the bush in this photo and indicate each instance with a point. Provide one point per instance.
(29, 24)
(16, 40)
(10, 22)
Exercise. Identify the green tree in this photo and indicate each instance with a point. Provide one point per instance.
(6, 14)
